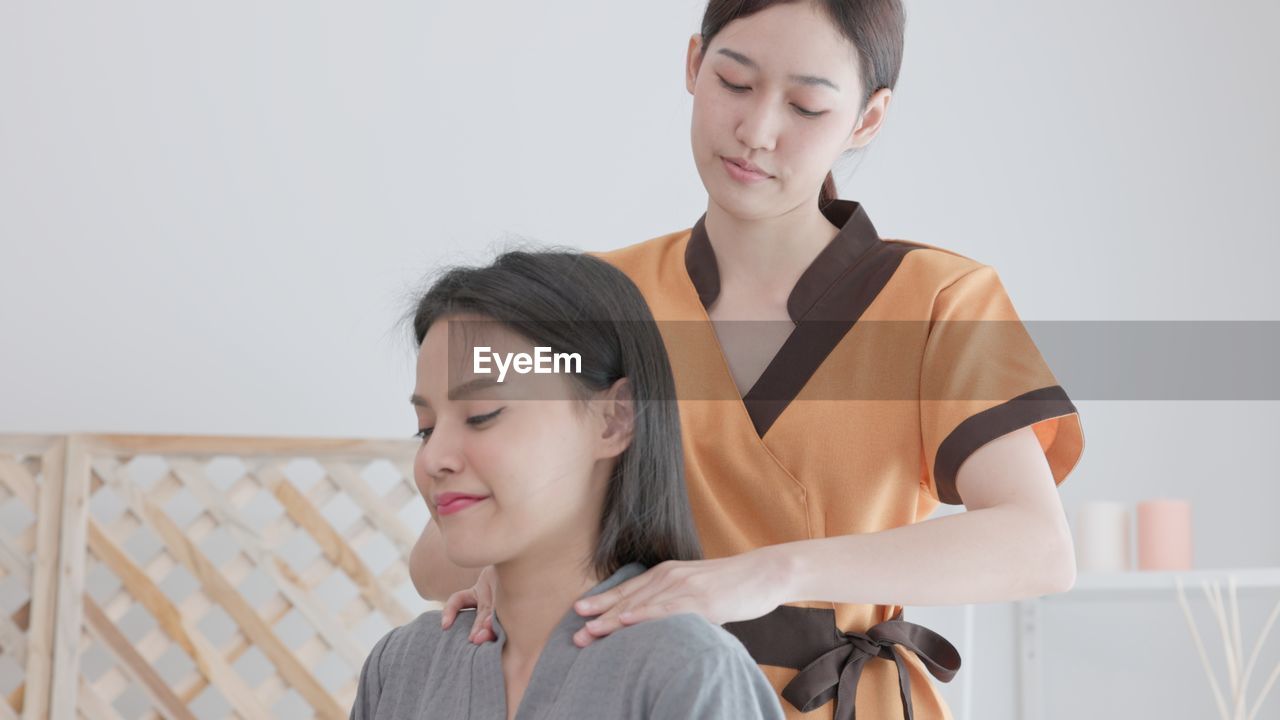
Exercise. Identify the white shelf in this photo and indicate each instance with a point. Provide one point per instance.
(1141, 584)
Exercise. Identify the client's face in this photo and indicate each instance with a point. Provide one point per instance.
(506, 468)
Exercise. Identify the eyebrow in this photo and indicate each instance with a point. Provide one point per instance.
(458, 392)
(802, 79)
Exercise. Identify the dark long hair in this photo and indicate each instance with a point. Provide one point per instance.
(875, 28)
(575, 303)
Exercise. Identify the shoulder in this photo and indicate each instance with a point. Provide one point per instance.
(676, 642)
(412, 664)
(690, 667)
(425, 627)
(414, 646)
(647, 256)
(937, 265)
(932, 273)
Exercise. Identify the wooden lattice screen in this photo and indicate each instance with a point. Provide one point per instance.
(202, 576)
(30, 483)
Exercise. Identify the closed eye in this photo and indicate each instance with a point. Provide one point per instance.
(731, 87)
(482, 419)
(474, 421)
(743, 88)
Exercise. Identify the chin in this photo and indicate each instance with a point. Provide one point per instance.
(740, 202)
(473, 560)
(471, 554)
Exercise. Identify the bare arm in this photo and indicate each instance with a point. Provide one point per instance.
(1013, 542)
(434, 577)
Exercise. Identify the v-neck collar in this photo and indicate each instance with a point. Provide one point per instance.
(856, 236)
(557, 656)
(828, 299)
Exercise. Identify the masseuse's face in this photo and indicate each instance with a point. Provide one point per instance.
(517, 457)
(779, 90)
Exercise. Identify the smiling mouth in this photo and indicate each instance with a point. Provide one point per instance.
(458, 504)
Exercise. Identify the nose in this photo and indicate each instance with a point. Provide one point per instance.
(758, 127)
(439, 457)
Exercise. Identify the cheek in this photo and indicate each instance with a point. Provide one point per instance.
(813, 146)
(712, 116)
(499, 458)
(540, 463)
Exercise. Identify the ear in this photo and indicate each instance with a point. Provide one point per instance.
(617, 412)
(871, 119)
(692, 61)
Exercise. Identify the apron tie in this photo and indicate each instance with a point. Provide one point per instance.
(791, 637)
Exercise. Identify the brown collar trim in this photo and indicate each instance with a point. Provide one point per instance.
(856, 236)
(700, 263)
(821, 330)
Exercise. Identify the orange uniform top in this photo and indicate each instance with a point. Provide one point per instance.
(858, 424)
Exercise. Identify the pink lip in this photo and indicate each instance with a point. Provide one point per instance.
(450, 503)
(743, 171)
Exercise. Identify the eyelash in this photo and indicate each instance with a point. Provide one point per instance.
(743, 88)
(424, 433)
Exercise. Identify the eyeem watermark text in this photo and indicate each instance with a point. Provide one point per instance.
(541, 362)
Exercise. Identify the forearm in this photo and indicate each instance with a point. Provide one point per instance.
(994, 554)
(434, 577)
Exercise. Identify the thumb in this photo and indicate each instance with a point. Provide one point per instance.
(456, 602)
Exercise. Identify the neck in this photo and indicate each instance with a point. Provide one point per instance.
(533, 594)
(767, 254)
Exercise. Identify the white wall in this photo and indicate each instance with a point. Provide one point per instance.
(211, 215)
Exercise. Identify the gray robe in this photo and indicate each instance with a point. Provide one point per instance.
(681, 666)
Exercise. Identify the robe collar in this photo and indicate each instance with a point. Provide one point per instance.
(555, 661)
(856, 236)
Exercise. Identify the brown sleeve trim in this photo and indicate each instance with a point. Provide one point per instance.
(1026, 409)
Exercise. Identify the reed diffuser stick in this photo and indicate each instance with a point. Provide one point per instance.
(1257, 650)
(1204, 658)
(1226, 613)
(1214, 593)
(1257, 706)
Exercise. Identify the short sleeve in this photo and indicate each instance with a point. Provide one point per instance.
(982, 377)
(721, 682)
(369, 690)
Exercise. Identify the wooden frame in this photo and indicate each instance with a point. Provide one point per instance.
(30, 476)
(141, 552)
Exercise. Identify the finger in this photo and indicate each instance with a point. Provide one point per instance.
(456, 602)
(655, 592)
(635, 611)
(484, 630)
(598, 628)
(485, 587)
(582, 638)
(652, 611)
(477, 626)
(484, 605)
(602, 602)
